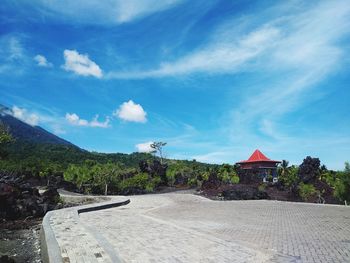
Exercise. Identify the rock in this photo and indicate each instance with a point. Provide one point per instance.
(244, 192)
(18, 199)
(180, 179)
(309, 170)
(213, 182)
(133, 191)
(51, 196)
(6, 259)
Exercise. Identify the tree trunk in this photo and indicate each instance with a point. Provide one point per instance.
(106, 189)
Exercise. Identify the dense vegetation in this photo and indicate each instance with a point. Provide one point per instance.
(312, 181)
(94, 172)
(118, 173)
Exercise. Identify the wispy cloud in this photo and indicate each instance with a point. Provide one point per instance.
(221, 55)
(13, 56)
(133, 9)
(130, 111)
(304, 39)
(42, 61)
(308, 53)
(103, 12)
(80, 64)
(15, 49)
(76, 120)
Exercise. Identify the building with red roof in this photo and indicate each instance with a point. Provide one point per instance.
(260, 165)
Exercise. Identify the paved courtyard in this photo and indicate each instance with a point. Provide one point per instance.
(188, 228)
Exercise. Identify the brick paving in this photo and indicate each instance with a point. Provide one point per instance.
(188, 228)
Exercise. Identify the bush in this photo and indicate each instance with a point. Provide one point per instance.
(307, 191)
(139, 181)
(193, 182)
(153, 184)
(342, 184)
(290, 176)
(262, 187)
(235, 179)
(227, 174)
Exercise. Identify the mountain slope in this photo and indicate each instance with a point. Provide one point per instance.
(22, 131)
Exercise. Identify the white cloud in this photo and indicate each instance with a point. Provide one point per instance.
(224, 54)
(104, 12)
(76, 120)
(129, 111)
(216, 157)
(22, 114)
(96, 123)
(132, 9)
(80, 64)
(144, 147)
(42, 61)
(307, 54)
(304, 39)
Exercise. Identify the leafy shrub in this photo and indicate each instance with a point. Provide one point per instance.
(235, 179)
(151, 185)
(193, 182)
(138, 181)
(269, 178)
(171, 174)
(262, 187)
(342, 184)
(227, 174)
(289, 177)
(307, 191)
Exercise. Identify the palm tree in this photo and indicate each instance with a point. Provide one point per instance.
(284, 167)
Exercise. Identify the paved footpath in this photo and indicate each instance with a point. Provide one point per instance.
(187, 228)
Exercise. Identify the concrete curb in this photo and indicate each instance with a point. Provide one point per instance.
(50, 250)
(101, 207)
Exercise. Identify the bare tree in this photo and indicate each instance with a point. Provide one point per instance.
(158, 148)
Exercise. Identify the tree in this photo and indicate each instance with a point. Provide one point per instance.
(5, 138)
(309, 170)
(284, 167)
(227, 174)
(290, 178)
(78, 174)
(104, 174)
(342, 184)
(158, 148)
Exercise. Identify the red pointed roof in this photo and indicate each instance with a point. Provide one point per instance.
(258, 156)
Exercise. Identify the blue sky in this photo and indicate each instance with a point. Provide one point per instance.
(214, 79)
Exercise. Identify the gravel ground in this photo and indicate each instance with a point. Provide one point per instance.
(20, 240)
